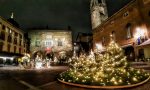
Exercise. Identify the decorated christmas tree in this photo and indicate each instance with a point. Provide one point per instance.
(109, 69)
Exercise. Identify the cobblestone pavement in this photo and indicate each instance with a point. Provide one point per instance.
(15, 78)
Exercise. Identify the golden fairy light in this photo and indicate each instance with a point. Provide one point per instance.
(110, 68)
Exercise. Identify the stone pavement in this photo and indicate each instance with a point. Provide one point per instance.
(46, 79)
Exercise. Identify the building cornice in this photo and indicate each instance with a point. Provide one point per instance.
(11, 24)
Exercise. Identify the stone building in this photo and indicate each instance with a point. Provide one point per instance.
(11, 37)
(99, 13)
(48, 41)
(130, 27)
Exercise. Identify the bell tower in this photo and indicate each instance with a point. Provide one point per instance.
(98, 12)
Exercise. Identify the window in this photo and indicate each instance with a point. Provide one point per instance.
(2, 35)
(8, 47)
(24, 44)
(19, 50)
(9, 38)
(141, 53)
(15, 40)
(126, 14)
(3, 27)
(10, 31)
(103, 41)
(16, 34)
(0, 25)
(113, 35)
(149, 13)
(15, 49)
(20, 36)
(37, 43)
(1, 46)
(20, 42)
(48, 43)
(128, 32)
(59, 43)
(7, 30)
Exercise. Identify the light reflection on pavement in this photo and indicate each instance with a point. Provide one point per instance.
(16, 78)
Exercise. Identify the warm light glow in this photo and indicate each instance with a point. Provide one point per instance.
(139, 33)
(38, 65)
(108, 68)
(11, 58)
(99, 46)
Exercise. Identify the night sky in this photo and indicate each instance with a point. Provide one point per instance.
(56, 14)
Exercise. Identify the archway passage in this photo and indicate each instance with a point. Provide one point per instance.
(129, 52)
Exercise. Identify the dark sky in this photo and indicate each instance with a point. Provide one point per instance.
(54, 13)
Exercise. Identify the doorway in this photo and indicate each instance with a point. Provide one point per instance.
(129, 52)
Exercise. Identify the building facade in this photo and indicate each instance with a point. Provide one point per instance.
(48, 41)
(11, 38)
(84, 42)
(130, 27)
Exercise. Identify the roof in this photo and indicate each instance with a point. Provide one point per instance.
(12, 21)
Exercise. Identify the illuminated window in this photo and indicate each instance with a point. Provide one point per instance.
(48, 43)
(149, 13)
(7, 29)
(20, 42)
(12, 33)
(128, 31)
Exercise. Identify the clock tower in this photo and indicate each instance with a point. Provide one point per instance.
(99, 13)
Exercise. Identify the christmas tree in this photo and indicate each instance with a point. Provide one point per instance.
(109, 69)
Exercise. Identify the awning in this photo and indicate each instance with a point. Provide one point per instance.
(10, 54)
(147, 42)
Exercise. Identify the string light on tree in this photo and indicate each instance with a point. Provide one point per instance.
(108, 69)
